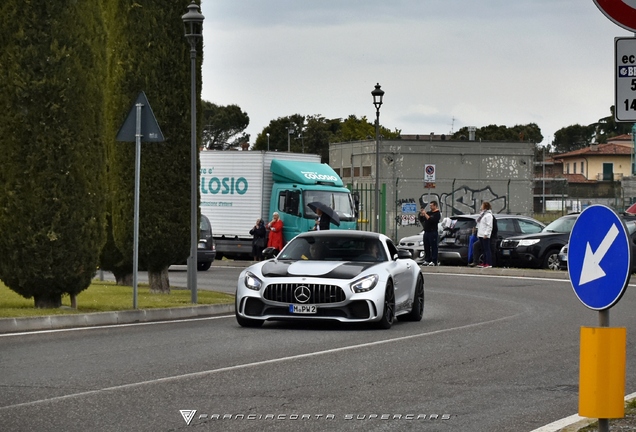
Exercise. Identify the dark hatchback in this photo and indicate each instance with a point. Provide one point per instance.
(540, 250)
(453, 244)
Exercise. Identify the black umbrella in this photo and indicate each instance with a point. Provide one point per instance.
(326, 210)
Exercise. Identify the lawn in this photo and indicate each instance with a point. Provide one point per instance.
(103, 296)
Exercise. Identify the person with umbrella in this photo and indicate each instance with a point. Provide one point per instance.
(326, 216)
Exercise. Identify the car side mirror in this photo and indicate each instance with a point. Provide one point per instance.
(270, 252)
(402, 254)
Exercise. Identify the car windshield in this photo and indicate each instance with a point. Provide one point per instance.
(339, 201)
(317, 248)
(561, 225)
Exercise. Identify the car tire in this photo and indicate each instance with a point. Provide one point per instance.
(246, 322)
(418, 302)
(388, 309)
(204, 266)
(551, 260)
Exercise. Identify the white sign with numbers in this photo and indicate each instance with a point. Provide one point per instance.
(625, 79)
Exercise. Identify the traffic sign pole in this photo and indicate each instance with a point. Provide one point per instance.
(599, 266)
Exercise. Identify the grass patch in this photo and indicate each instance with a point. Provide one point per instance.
(104, 296)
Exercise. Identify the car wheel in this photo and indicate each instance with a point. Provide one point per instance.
(551, 260)
(246, 322)
(418, 302)
(203, 266)
(388, 311)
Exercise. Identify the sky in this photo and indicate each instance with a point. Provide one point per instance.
(443, 64)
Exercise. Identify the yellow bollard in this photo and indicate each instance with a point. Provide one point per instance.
(602, 372)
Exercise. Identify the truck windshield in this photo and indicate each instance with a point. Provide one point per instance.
(339, 201)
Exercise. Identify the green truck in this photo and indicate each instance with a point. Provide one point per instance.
(238, 187)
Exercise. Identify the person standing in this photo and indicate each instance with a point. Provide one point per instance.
(484, 232)
(258, 239)
(430, 221)
(323, 221)
(275, 228)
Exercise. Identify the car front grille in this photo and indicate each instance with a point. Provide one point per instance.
(319, 293)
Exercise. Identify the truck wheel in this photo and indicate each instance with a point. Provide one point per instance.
(204, 266)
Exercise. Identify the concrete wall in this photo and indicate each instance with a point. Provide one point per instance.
(467, 173)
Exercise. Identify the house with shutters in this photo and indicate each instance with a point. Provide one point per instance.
(598, 173)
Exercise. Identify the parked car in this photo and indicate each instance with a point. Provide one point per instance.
(206, 250)
(415, 244)
(335, 275)
(631, 230)
(539, 250)
(453, 244)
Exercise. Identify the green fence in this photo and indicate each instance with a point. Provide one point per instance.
(364, 195)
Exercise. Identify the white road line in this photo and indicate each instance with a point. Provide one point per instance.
(248, 365)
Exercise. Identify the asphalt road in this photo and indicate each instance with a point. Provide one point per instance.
(492, 354)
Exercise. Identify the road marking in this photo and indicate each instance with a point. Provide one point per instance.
(249, 365)
(591, 261)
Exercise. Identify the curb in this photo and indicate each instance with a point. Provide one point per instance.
(53, 322)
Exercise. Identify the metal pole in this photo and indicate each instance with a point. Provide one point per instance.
(603, 321)
(192, 259)
(136, 216)
(544, 180)
(377, 170)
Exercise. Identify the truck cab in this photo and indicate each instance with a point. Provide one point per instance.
(295, 184)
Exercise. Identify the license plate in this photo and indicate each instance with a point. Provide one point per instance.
(449, 240)
(302, 309)
(505, 252)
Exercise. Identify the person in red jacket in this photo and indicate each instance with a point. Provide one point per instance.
(275, 228)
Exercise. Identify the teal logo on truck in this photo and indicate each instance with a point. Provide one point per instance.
(224, 186)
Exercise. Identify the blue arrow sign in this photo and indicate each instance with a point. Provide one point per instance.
(599, 257)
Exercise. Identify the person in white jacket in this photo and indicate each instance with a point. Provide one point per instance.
(484, 231)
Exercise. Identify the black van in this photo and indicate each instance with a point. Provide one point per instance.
(206, 249)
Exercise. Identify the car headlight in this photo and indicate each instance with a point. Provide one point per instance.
(528, 242)
(252, 282)
(421, 242)
(365, 284)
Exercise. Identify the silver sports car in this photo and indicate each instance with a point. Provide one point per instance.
(347, 276)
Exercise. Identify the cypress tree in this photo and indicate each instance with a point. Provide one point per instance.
(147, 52)
(51, 152)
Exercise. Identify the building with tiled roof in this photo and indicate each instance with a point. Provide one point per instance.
(598, 162)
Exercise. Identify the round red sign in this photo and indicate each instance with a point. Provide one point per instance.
(621, 12)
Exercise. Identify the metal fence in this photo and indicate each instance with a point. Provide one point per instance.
(364, 194)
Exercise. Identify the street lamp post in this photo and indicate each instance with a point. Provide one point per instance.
(267, 141)
(377, 94)
(193, 22)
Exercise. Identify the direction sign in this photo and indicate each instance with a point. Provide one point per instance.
(625, 79)
(620, 12)
(599, 258)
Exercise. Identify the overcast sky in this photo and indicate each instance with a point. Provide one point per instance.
(443, 64)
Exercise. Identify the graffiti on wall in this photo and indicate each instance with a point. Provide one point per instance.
(463, 200)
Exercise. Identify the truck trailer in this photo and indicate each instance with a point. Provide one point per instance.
(238, 187)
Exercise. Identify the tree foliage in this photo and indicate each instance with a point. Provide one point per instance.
(148, 52)
(573, 137)
(222, 124)
(312, 134)
(51, 170)
(529, 132)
